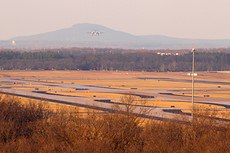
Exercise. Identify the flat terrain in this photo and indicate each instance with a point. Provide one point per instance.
(164, 95)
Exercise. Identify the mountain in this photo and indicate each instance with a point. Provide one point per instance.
(79, 36)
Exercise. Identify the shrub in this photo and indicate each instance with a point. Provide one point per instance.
(33, 128)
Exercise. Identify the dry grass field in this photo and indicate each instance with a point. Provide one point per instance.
(92, 94)
(213, 95)
(169, 104)
(219, 76)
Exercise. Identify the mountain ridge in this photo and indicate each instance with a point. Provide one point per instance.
(79, 36)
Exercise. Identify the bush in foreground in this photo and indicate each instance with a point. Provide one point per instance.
(33, 128)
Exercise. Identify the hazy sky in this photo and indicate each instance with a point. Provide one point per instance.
(177, 18)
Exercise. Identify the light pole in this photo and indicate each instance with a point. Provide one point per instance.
(193, 67)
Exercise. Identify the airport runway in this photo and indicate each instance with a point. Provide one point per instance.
(152, 112)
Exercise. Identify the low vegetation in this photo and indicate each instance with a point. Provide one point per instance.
(33, 128)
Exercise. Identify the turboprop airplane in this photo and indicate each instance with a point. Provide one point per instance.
(95, 33)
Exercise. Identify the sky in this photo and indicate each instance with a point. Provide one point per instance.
(204, 19)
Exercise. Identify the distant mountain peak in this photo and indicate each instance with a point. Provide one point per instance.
(79, 35)
(89, 25)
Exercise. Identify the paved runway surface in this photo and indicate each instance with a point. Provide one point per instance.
(153, 112)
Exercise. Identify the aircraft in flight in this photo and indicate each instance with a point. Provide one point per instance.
(95, 33)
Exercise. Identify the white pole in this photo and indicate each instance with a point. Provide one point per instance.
(193, 67)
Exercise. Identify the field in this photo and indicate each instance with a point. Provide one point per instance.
(149, 89)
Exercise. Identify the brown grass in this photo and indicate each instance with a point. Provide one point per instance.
(114, 74)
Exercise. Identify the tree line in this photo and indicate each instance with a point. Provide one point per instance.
(106, 59)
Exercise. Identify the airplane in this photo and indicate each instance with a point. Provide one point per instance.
(95, 33)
